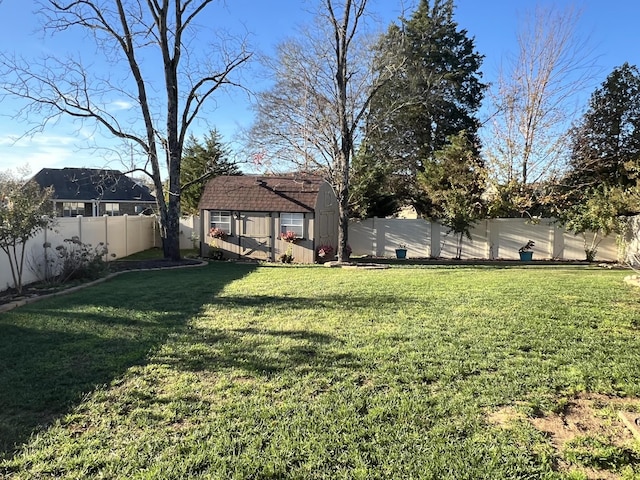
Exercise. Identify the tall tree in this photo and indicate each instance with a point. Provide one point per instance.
(323, 86)
(601, 185)
(200, 162)
(148, 40)
(534, 100)
(435, 95)
(606, 142)
(371, 195)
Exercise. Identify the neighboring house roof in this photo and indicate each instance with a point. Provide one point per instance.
(262, 193)
(85, 184)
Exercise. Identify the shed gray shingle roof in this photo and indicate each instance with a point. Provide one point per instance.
(85, 184)
(262, 193)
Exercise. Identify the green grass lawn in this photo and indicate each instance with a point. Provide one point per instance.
(240, 371)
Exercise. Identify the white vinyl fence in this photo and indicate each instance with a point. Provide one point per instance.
(490, 239)
(123, 235)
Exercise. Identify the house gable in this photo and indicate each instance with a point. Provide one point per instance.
(88, 185)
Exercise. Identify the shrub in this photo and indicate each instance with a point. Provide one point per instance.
(324, 252)
(287, 257)
(76, 260)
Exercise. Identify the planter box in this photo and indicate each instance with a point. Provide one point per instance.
(401, 253)
(526, 256)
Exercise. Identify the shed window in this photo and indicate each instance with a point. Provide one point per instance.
(72, 209)
(222, 220)
(292, 222)
(112, 209)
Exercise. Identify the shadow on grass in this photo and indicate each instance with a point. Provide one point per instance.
(259, 352)
(54, 352)
(271, 350)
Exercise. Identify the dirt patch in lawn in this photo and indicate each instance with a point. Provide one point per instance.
(581, 428)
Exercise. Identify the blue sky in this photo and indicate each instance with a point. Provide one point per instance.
(612, 27)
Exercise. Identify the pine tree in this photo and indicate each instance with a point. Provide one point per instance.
(606, 143)
(436, 95)
(601, 186)
(454, 183)
(199, 164)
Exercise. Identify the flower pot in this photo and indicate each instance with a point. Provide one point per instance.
(401, 253)
(526, 256)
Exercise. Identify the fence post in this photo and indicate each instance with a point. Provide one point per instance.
(558, 242)
(379, 235)
(79, 217)
(126, 235)
(435, 239)
(106, 230)
(493, 227)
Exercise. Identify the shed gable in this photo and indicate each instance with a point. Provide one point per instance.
(294, 194)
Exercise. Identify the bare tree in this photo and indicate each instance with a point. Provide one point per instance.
(324, 82)
(536, 97)
(154, 40)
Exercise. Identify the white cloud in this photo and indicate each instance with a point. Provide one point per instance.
(41, 151)
(121, 105)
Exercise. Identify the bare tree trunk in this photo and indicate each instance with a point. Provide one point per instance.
(124, 29)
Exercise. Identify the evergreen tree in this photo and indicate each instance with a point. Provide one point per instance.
(436, 95)
(370, 193)
(454, 182)
(601, 186)
(606, 143)
(199, 164)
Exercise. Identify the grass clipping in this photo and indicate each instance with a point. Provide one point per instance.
(587, 433)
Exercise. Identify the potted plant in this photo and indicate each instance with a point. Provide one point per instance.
(401, 251)
(526, 251)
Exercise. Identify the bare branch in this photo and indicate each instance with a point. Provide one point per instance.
(535, 98)
(124, 30)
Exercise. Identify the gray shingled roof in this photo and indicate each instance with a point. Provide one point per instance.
(262, 193)
(85, 184)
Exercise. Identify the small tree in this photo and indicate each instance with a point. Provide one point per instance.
(25, 210)
(596, 217)
(453, 183)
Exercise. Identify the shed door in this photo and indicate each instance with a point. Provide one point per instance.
(256, 237)
(327, 228)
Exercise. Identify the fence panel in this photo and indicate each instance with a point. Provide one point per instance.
(124, 236)
(490, 239)
(362, 237)
(190, 232)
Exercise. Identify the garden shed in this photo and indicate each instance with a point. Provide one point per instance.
(257, 216)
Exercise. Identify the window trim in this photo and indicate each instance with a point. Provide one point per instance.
(110, 211)
(295, 223)
(220, 219)
(73, 208)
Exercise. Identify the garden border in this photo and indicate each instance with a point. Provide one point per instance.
(27, 300)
